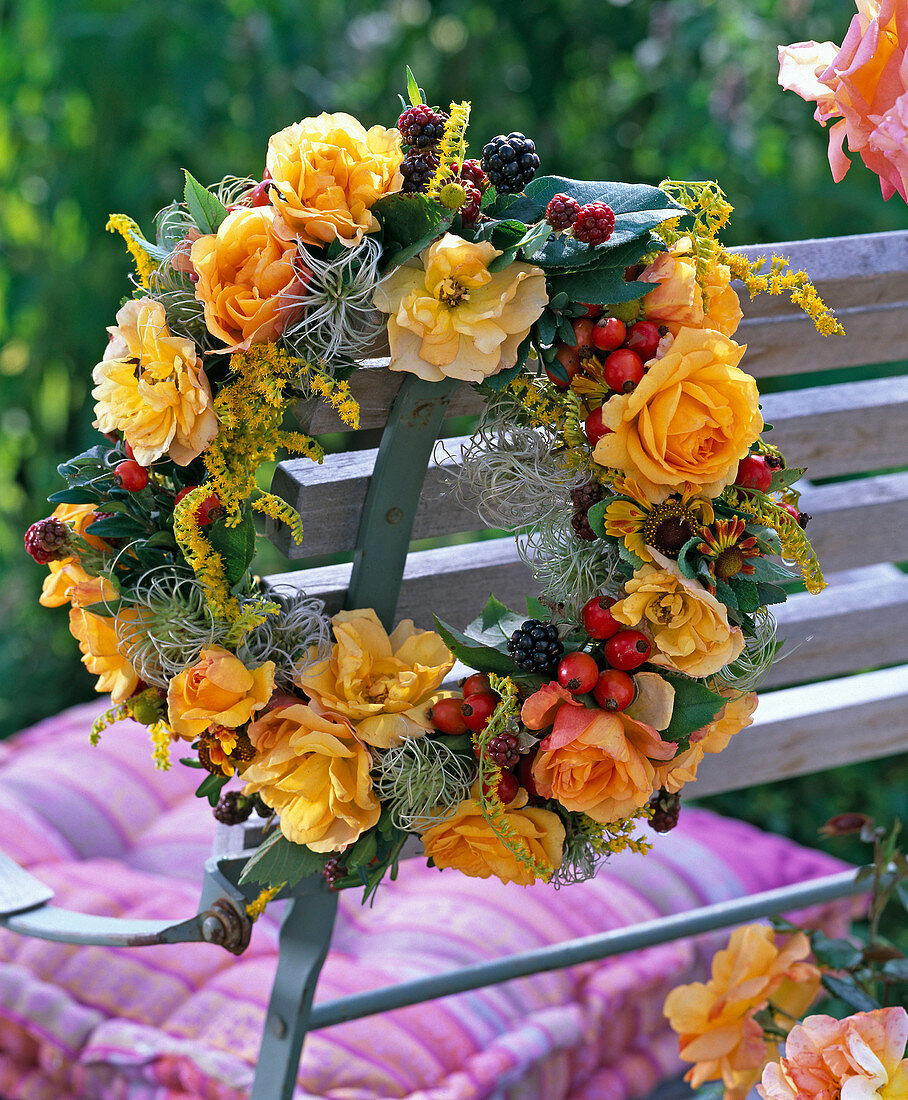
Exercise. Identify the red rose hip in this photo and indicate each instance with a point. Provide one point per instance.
(627, 649)
(475, 683)
(597, 618)
(643, 338)
(446, 716)
(609, 334)
(583, 329)
(623, 370)
(594, 427)
(614, 690)
(477, 709)
(578, 672)
(754, 473)
(131, 476)
(570, 360)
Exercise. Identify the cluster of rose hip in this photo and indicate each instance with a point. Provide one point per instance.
(609, 351)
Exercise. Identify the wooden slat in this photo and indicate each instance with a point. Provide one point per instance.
(805, 729)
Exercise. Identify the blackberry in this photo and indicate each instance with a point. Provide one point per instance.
(421, 127)
(232, 808)
(503, 750)
(333, 871)
(534, 646)
(418, 168)
(47, 540)
(469, 212)
(471, 172)
(583, 498)
(666, 811)
(510, 162)
(595, 223)
(561, 213)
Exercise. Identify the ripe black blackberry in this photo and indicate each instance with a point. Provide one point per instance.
(503, 750)
(510, 162)
(418, 168)
(47, 540)
(535, 646)
(666, 811)
(583, 498)
(421, 126)
(232, 808)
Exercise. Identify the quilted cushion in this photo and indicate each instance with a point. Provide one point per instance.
(182, 1022)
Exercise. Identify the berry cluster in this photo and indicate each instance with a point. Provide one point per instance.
(233, 808)
(583, 498)
(510, 161)
(666, 809)
(593, 223)
(47, 540)
(421, 129)
(535, 646)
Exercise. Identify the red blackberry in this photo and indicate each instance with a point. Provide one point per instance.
(510, 162)
(595, 223)
(421, 127)
(535, 646)
(333, 871)
(48, 540)
(502, 750)
(561, 213)
(232, 808)
(471, 171)
(418, 168)
(469, 212)
(666, 811)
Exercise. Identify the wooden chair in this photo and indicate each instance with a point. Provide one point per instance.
(373, 505)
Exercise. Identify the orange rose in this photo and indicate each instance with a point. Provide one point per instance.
(736, 715)
(314, 772)
(715, 1021)
(689, 627)
(467, 841)
(101, 652)
(678, 300)
(328, 173)
(861, 1056)
(67, 581)
(251, 282)
(217, 690)
(597, 762)
(689, 421)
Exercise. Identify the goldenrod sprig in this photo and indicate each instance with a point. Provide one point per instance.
(781, 279)
(452, 149)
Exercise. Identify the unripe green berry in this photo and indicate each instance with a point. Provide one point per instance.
(452, 196)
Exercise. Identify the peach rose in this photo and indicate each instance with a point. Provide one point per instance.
(314, 772)
(597, 762)
(101, 652)
(681, 769)
(736, 715)
(715, 1021)
(689, 421)
(689, 627)
(858, 1058)
(865, 81)
(251, 282)
(328, 173)
(383, 684)
(678, 300)
(450, 317)
(467, 841)
(151, 386)
(67, 581)
(217, 690)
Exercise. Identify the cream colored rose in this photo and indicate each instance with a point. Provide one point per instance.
(217, 690)
(151, 386)
(689, 627)
(328, 173)
(314, 772)
(450, 317)
(383, 683)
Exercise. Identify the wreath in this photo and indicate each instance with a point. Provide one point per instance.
(621, 441)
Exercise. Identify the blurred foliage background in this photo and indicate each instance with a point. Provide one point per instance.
(103, 102)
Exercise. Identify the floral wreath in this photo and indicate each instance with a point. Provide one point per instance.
(620, 440)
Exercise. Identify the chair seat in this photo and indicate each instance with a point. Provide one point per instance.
(110, 835)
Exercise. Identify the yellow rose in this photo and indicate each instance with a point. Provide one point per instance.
(736, 715)
(314, 772)
(217, 690)
(101, 655)
(383, 684)
(689, 627)
(328, 173)
(689, 421)
(151, 386)
(450, 317)
(467, 842)
(678, 300)
(67, 581)
(715, 1021)
(251, 282)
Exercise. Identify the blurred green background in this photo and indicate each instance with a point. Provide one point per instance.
(103, 102)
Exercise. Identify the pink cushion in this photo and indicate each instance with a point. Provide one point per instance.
(111, 835)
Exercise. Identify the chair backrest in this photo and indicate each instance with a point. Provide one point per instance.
(851, 434)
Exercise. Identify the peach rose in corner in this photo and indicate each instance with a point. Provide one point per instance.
(866, 82)
(736, 715)
(151, 386)
(251, 282)
(328, 173)
(859, 1058)
(102, 652)
(689, 421)
(715, 1021)
(314, 772)
(597, 762)
(450, 317)
(467, 842)
(688, 626)
(678, 300)
(383, 683)
(217, 690)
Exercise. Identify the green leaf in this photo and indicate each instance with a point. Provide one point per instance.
(837, 953)
(74, 496)
(546, 327)
(497, 382)
(236, 545)
(746, 594)
(117, 527)
(278, 860)
(897, 969)
(847, 991)
(413, 89)
(695, 706)
(770, 593)
(210, 788)
(494, 624)
(483, 658)
(409, 223)
(781, 479)
(536, 610)
(363, 851)
(726, 594)
(566, 332)
(714, 1090)
(901, 891)
(623, 198)
(205, 208)
(767, 571)
(602, 281)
